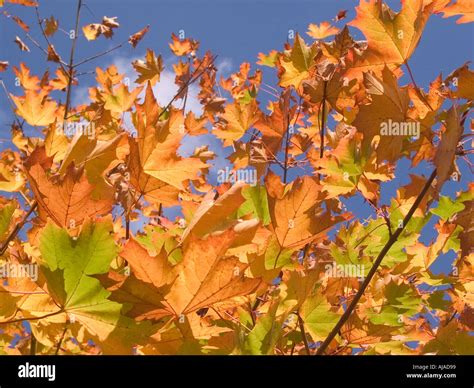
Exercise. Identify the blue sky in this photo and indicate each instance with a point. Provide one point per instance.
(234, 30)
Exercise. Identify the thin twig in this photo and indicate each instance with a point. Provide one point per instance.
(98, 55)
(10, 103)
(17, 228)
(287, 146)
(40, 23)
(71, 61)
(31, 318)
(194, 77)
(323, 120)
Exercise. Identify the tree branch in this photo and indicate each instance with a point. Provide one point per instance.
(58, 347)
(32, 344)
(287, 146)
(322, 349)
(303, 334)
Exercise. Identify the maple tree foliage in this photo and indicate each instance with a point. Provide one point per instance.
(244, 270)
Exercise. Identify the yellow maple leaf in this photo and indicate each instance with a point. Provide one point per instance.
(36, 108)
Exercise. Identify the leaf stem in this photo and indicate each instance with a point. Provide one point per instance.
(417, 88)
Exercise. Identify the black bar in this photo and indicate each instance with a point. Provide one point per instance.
(156, 371)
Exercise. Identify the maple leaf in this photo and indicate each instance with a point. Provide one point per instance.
(392, 37)
(195, 126)
(322, 31)
(121, 100)
(296, 214)
(153, 189)
(269, 60)
(389, 105)
(464, 79)
(165, 164)
(336, 91)
(256, 203)
(348, 168)
(53, 56)
(8, 308)
(73, 287)
(51, 26)
(6, 216)
(236, 120)
(202, 278)
(11, 178)
(95, 156)
(149, 70)
(145, 289)
(62, 80)
(238, 268)
(264, 335)
(464, 8)
(318, 317)
(27, 81)
(450, 340)
(158, 143)
(296, 64)
(205, 277)
(36, 108)
(68, 201)
(182, 47)
(213, 213)
(93, 31)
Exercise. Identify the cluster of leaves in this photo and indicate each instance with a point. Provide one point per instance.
(244, 270)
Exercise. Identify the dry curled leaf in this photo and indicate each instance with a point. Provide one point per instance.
(137, 37)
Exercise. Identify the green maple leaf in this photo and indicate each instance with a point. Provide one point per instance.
(70, 265)
(318, 319)
(447, 207)
(264, 335)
